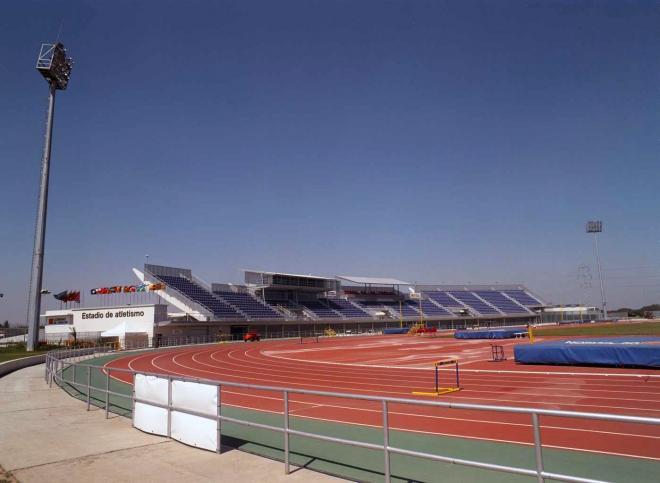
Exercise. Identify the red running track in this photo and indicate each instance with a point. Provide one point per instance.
(397, 365)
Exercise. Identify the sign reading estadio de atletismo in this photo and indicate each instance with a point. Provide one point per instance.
(140, 317)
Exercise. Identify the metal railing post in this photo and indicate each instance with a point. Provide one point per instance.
(107, 393)
(219, 413)
(169, 406)
(286, 432)
(89, 385)
(133, 397)
(73, 376)
(386, 442)
(538, 448)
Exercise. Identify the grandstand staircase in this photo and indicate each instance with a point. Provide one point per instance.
(489, 304)
(458, 302)
(235, 307)
(357, 306)
(391, 311)
(438, 304)
(284, 311)
(415, 307)
(330, 308)
(310, 314)
(518, 303)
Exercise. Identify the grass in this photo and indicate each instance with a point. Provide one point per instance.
(618, 328)
(18, 351)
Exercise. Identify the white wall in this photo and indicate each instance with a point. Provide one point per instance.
(140, 317)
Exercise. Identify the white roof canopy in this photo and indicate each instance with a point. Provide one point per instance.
(287, 274)
(372, 280)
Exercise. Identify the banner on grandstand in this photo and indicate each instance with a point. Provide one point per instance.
(145, 287)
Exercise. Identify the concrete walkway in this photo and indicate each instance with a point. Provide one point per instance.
(46, 435)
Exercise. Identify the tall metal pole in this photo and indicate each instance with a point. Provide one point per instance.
(34, 302)
(600, 276)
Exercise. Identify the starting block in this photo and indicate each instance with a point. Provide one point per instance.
(442, 390)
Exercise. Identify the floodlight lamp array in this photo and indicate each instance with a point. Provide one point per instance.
(55, 65)
(594, 226)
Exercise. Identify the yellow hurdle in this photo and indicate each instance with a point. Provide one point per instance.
(442, 390)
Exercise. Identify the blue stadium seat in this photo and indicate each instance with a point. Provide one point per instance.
(200, 295)
(431, 310)
(443, 299)
(522, 297)
(320, 310)
(346, 308)
(473, 302)
(503, 303)
(249, 305)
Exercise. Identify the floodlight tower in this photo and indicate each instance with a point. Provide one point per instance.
(596, 227)
(54, 64)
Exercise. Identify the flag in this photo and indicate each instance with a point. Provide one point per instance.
(73, 296)
(156, 286)
(142, 288)
(62, 296)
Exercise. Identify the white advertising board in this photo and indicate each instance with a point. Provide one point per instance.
(201, 398)
(194, 430)
(148, 418)
(151, 388)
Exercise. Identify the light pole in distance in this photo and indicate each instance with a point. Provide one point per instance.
(596, 227)
(55, 65)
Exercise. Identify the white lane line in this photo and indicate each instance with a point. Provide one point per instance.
(485, 371)
(250, 376)
(283, 369)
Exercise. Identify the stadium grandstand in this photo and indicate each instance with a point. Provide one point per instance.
(272, 302)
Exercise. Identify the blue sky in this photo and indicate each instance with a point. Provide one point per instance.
(430, 141)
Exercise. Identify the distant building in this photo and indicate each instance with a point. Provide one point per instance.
(571, 313)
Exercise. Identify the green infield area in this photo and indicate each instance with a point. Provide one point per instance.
(18, 351)
(367, 465)
(615, 328)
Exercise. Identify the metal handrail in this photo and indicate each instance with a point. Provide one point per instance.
(58, 361)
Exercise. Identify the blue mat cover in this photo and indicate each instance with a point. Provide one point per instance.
(602, 351)
(508, 333)
(403, 330)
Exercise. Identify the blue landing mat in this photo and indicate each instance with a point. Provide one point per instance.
(602, 351)
(508, 333)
